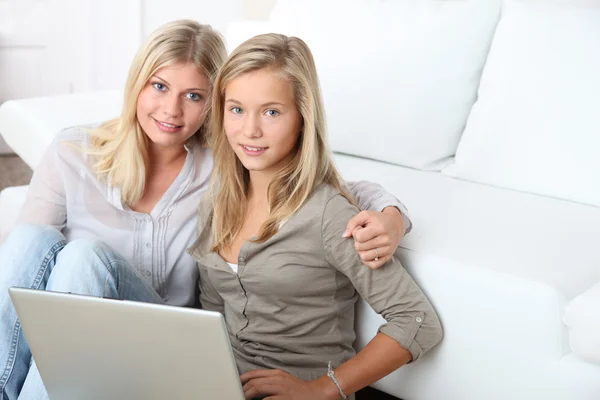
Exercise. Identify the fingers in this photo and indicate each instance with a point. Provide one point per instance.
(261, 387)
(376, 264)
(377, 242)
(371, 254)
(359, 220)
(371, 231)
(259, 373)
(264, 382)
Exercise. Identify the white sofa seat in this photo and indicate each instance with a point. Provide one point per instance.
(502, 314)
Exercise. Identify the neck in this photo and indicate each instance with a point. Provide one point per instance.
(162, 158)
(259, 186)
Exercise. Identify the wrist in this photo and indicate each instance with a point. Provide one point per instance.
(394, 213)
(326, 386)
(392, 210)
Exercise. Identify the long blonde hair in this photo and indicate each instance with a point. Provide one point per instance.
(313, 163)
(119, 147)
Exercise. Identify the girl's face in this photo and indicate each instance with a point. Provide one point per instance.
(170, 108)
(261, 120)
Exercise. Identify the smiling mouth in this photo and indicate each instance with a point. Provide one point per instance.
(254, 149)
(167, 125)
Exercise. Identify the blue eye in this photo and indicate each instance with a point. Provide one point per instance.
(159, 86)
(272, 113)
(194, 96)
(236, 110)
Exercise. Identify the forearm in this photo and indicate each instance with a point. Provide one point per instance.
(381, 356)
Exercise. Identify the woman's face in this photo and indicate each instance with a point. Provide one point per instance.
(261, 120)
(170, 108)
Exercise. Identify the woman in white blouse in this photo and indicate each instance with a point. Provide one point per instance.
(112, 209)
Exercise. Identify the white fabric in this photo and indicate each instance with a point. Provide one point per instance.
(398, 77)
(549, 241)
(501, 335)
(234, 267)
(579, 379)
(29, 125)
(536, 125)
(582, 316)
(11, 200)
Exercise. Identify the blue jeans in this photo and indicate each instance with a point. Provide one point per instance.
(39, 257)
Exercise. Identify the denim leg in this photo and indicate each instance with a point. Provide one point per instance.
(92, 268)
(27, 258)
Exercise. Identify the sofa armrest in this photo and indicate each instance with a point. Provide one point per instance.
(582, 317)
(28, 125)
(11, 200)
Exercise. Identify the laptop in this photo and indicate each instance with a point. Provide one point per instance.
(96, 348)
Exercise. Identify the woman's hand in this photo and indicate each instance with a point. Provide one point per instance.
(279, 385)
(376, 235)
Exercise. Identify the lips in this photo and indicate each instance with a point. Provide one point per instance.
(253, 150)
(167, 127)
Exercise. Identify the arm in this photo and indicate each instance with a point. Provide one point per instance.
(46, 203)
(412, 326)
(373, 197)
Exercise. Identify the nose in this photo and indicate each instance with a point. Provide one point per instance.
(252, 126)
(171, 106)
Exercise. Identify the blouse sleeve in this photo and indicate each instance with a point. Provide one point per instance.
(45, 203)
(389, 290)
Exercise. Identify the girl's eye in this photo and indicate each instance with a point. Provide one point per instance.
(236, 110)
(159, 86)
(194, 96)
(272, 113)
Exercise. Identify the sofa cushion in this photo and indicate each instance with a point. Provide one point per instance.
(545, 240)
(29, 125)
(582, 316)
(413, 96)
(536, 124)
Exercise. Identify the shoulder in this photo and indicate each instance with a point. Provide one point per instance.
(74, 139)
(327, 203)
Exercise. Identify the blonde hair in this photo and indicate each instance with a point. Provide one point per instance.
(120, 147)
(313, 163)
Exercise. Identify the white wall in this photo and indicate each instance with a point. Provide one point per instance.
(65, 46)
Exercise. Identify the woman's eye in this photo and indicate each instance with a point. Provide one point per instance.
(272, 113)
(236, 110)
(194, 96)
(159, 86)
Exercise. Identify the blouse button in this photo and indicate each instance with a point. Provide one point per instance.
(419, 319)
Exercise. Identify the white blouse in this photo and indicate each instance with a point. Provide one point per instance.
(65, 193)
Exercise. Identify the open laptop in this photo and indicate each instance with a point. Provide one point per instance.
(93, 348)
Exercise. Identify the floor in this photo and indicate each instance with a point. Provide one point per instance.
(372, 394)
(13, 171)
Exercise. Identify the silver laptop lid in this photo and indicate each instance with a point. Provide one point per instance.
(93, 348)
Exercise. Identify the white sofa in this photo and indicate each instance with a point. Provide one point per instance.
(483, 117)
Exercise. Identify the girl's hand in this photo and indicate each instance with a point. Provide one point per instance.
(279, 385)
(376, 235)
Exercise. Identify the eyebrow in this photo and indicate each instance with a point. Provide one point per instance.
(187, 90)
(271, 103)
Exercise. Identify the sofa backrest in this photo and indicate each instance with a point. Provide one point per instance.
(536, 124)
(399, 77)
